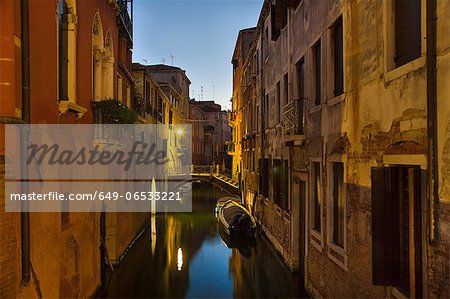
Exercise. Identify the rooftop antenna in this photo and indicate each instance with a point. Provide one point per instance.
(145, 61)
(201, 92)
(163, 61)
(172, 57)
(214, 87)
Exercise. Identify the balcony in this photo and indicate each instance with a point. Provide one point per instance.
(231, 118)
(294, 121)
(124, 18)
(111, 111)
(230, 147)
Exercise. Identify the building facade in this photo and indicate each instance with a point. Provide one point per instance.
(197, 117)
(216, 131)
(56, 65)
(353, 145)
(175, 84)
(241, 49)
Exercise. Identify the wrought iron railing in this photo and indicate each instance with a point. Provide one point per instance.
(124, 17)
(202, 169)
(231, 116)
(294, 118)
(230, 147)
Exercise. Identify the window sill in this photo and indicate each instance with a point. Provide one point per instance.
(336, 100)
(315, 109)
(65, 106)
(286, 216)
(395, 293)
(338, 255)
(278, 210)
(404, 69)
(316, 239)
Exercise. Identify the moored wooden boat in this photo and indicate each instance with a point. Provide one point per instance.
(222, 201)
(236, 220)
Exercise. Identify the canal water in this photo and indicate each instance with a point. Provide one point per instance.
(183, 255)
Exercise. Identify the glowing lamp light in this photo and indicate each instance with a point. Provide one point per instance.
(179, 259)
(179, 132)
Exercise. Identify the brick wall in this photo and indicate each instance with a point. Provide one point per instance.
(439, 257)
(9, 245)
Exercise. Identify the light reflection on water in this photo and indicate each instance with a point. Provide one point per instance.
(184, 256)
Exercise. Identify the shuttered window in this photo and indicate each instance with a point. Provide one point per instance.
(407, 19)
(277, 190)
(264, 177)
(338, 57)
(278, 18)
(267, 112)
(286, 89)
(301, 79)
(63, 49)
(396, 228)
(278, 104)
(317, 72)
(338, 204)
(280, 171)
(285, 185)
(316, 196)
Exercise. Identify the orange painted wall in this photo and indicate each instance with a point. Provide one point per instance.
(44, 61)
(10, 62)
(44, 58)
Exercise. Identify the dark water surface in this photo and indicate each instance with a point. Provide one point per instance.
(183, 255)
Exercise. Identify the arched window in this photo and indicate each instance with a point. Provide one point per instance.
(67, 56)
(63, 50)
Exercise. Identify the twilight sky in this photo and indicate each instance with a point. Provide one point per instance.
(200, 34)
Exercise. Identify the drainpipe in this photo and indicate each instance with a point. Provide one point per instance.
(433, 170)
(25, 216)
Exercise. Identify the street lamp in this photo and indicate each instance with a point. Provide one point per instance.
(179, 132)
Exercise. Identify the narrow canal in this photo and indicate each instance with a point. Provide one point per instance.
(184, 256)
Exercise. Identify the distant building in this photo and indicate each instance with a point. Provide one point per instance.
(236, 117)
(197, 117)
(175, 84)
(165, 92)
(216, 131)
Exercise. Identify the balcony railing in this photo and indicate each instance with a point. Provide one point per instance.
(231, 118)
(294, 118)
(230, 147)
(124, 17)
